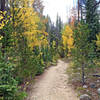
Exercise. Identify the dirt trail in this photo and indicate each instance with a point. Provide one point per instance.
(53, 85)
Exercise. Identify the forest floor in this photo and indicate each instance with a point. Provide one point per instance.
(53, 85)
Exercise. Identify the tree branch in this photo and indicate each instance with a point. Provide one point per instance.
(96, 4)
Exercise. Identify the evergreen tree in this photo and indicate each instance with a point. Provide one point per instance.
(92, 19)
(59, 26)
(83, 49)
(54, 30)
(48, 24)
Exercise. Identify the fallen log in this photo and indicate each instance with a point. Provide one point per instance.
(96, 75)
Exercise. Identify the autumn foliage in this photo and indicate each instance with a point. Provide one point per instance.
(67, 36)
(24, 47)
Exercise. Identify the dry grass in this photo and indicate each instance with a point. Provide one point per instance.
(75, 80)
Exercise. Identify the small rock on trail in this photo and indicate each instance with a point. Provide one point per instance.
(53, 85)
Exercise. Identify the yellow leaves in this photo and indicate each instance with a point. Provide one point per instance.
(3, 12)
(68, 38)
(3, 19)
(98, 41)
(67, 31)
(27, 83)
(64, 40)
(45, 33)
(54, 44)
(35, 38)
(35, 34)
(1, 25)
(1, 37)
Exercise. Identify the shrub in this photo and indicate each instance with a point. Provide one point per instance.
(9, 89)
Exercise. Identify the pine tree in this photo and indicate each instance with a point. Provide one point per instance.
(92, 18)
(2, 5)
(59, 26)
(83, 49)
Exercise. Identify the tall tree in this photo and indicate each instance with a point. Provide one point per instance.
(48, 24)
(2, 5)
(38, 6)
(2, 33)
(59, 26)
(92, 18)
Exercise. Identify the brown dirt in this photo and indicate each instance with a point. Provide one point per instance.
(53, 85)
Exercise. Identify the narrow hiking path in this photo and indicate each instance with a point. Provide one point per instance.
(53, 85)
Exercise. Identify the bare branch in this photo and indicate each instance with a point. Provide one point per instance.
(96, 4)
